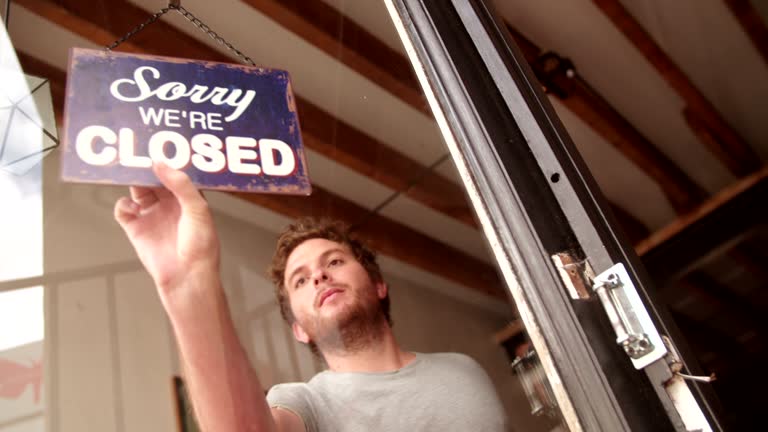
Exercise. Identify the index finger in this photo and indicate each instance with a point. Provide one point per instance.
(179, 184)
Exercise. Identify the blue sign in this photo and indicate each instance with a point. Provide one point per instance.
(229, 127)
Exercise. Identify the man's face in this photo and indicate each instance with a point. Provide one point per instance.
(327, 289)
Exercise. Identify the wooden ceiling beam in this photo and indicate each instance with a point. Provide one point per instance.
(321, 131)
(751, 256)
(338, 36)
(752, 24)
(633, 228)
(738, 314)
(699, 213)
(322, 25)
(353, 148)
(530, 50)
(308, 18)
(386, 235)
(729, 147)
(683, 193)
(560, 78)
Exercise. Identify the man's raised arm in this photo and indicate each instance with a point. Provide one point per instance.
(172, 231)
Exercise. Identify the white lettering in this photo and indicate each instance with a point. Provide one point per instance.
(214, 121)
(175, 90)
(172, 118)
(267, 149)
(151, 115)
(238, 151)
(197, 94)
(127, 151)
(196, 117)
(205, 151)
(171, 91)
(206, 121)
(138, 81)
(84, 145)
(208, 156)
(157, 142)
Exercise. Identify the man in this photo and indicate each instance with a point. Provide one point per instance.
(332, 294)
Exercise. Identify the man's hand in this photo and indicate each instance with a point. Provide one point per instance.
(172, 231)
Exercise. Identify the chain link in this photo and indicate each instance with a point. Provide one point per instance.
(191, 18)
(204, 27)
(139, 28)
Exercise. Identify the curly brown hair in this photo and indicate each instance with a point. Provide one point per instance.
(305, 229)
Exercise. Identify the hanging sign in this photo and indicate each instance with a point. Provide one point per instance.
(227, 126)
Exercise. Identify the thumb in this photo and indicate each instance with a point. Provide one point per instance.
(179, 184)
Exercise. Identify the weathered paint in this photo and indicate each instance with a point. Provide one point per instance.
(271, 115)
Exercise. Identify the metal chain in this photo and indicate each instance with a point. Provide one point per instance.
(191, 18)
(204, 27)
(139, 28)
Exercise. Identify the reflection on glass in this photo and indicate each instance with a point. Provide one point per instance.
(21, 360)
(22, 144)
(379, 162)
(528, 369)
(27, 124)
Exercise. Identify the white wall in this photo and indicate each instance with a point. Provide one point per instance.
(109, 352)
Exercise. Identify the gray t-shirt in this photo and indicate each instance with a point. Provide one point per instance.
(435, 392)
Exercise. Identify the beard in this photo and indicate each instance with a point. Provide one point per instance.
(356, 326)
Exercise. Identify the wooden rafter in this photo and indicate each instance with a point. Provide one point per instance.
(561, 79)
(321, 131)
(634, 229)
(729, 147)
(321, 24)
(338, 36)
(349, 146)
(699, 213)
(752, 23)
(387, 236)
(738, 311)
(683, 193)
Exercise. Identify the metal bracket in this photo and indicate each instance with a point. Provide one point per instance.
(635, 331)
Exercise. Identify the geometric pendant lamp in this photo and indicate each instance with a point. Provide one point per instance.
(27, 122)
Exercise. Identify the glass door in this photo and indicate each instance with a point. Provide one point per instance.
(580, 291)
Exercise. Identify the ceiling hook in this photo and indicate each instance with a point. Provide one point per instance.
(174, 4)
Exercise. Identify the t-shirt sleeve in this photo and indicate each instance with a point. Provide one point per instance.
(297, 398)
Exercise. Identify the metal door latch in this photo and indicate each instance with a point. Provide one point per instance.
(635, 331)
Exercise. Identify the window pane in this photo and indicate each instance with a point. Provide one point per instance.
(377, 162)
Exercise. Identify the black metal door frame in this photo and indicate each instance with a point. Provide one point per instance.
(535, 198)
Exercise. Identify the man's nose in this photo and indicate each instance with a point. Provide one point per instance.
(320, 276)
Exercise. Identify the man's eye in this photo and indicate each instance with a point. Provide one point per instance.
(299, 282)
(334, 262)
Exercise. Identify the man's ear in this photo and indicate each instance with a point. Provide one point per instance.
(381, 289)
(299, 333)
